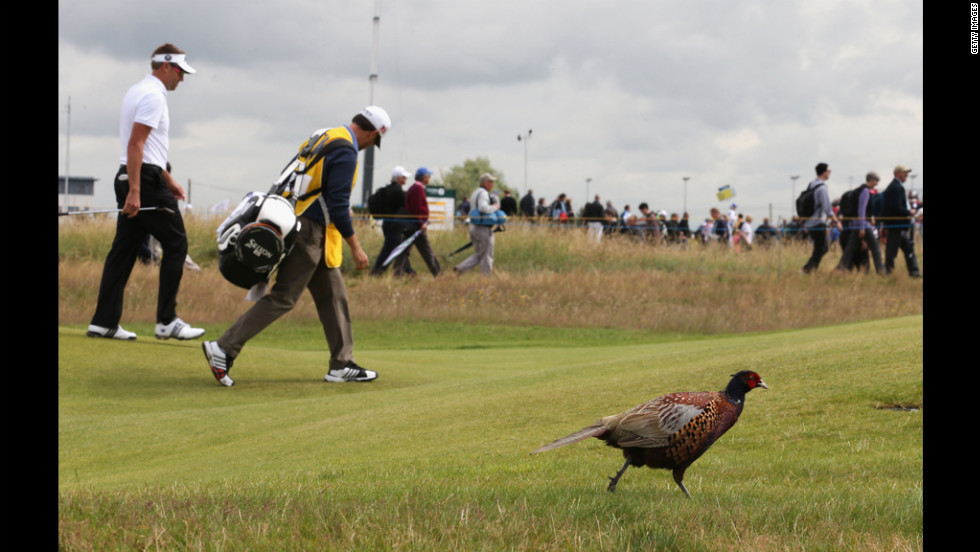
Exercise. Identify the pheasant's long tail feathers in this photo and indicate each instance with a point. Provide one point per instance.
(581, 435)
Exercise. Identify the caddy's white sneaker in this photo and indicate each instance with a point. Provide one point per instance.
(219, 361)
(179, 329)
(350, 372)
(114, 333)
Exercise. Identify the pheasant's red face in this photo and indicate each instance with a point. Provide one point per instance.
(753, 380)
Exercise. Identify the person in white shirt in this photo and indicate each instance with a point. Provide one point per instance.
(746, 232)
(147, 196)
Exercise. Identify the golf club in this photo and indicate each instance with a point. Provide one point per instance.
(467, 246)
(72, 213)
(401, 247)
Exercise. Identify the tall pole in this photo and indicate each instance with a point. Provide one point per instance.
(524, 138)
(587, 181)
(686, 178)
(367, 183)
(68, 155)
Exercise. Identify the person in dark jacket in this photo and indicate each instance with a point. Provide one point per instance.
(542, 209)
(719, 227)
(684, 227)
(527, 204)
(508, 204)
(393, 225)
(765, 233)
(898, 223)
(593, 215)
(859, 231)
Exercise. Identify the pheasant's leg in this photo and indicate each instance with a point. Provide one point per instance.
(679, 478)
(614, 480)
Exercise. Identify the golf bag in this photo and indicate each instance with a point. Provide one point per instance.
(488, 219)
(255, 238)
(260, 232)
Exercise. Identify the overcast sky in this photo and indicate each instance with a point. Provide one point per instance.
(634, 95)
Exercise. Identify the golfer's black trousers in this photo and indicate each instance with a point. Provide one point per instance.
(392, 231)
(166, 227)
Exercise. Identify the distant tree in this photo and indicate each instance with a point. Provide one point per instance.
(464, 178)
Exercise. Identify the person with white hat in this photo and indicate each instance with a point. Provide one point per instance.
(393, 224)
(143, 180)
(322, 193)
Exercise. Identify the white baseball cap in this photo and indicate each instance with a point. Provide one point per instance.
(379, 120)
(400, 171)
(180, 60)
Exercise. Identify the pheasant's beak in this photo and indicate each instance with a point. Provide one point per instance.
(763, 385)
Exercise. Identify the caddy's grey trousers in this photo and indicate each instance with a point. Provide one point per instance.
(304, 267)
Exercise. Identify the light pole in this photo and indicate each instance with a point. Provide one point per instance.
(367, 181)
(68, 155)
(686, 178)
(587, 180)
(524, 138)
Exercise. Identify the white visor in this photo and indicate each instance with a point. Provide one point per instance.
(175, 59)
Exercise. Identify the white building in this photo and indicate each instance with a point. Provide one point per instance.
(81, 194)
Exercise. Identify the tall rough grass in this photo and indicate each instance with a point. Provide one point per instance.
(543, 276)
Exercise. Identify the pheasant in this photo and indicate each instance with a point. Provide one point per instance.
(672, 431)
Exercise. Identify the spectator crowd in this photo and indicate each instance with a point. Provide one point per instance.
(837, 223)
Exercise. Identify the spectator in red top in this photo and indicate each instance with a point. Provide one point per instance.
(418, 206)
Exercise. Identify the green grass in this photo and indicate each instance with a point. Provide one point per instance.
(154, 454)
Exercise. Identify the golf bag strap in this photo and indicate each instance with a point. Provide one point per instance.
(286, 178)
(313, 151)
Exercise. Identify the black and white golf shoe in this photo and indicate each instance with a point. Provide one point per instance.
(112, 333)
(350, 372)
(177, 328)
(219, 361)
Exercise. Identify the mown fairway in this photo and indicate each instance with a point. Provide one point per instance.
(155, 455)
